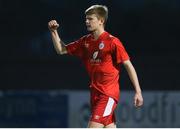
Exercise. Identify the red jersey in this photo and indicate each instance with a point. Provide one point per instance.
(102, 58)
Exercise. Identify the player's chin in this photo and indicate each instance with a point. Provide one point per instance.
(90, 29)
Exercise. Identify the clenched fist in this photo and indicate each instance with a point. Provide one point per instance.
(138, 100)
(53, 25)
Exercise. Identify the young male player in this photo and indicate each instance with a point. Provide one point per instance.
(102, 55)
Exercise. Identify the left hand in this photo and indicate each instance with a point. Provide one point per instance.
(138, 100)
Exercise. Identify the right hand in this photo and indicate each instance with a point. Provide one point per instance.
(53, 25)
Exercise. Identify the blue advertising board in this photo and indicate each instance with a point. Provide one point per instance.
(33, 109)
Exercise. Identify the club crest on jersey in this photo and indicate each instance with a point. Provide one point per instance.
(101, 45)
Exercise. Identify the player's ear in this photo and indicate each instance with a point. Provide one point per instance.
(102, 20)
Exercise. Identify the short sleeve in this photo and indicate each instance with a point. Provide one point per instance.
(118, 51)
(75, 48)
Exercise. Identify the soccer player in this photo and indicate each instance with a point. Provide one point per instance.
(102, 55)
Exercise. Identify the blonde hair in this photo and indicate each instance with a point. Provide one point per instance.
(100, 11)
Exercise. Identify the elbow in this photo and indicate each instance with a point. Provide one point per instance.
(59, 52)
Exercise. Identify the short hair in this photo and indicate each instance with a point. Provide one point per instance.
(101, 11)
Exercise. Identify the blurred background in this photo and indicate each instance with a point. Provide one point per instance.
(37, 84)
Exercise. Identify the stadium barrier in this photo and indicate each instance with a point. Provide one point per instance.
(71, 109)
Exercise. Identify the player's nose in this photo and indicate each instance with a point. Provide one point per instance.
(87, 21)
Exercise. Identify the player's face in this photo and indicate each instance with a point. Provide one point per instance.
(93, 23)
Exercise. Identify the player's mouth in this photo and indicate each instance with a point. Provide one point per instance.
(88, 26)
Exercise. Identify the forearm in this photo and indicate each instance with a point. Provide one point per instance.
(58, 43)
(133, 76)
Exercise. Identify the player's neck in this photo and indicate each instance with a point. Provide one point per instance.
(97, 33)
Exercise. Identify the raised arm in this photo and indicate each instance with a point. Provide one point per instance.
(138, 99)
(58, 43)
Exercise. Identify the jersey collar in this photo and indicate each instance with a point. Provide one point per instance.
(104, 34)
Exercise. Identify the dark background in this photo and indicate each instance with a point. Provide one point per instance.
(149, 30)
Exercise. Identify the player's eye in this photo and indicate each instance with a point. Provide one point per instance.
(90, 19)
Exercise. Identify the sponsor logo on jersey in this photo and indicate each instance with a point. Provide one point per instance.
(95, 59)
(95, 55)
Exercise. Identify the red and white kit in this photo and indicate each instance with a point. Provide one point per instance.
(102, 59)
